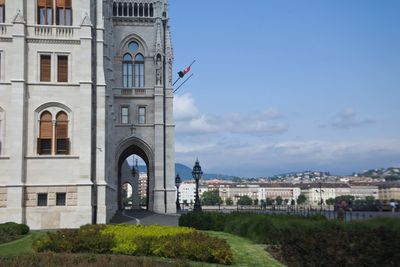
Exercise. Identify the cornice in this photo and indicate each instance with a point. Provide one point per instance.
(52, 41)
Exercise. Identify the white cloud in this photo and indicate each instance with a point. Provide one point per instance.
(348, 119)
(190, 121)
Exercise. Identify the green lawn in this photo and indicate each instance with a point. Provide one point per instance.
(19, 246)
(245, 252)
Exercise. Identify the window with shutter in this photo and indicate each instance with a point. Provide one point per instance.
(45, 68)
(64, 12)
(62, 141)
(45, 12)
(45, 134)
(62, 69)
(2, 11)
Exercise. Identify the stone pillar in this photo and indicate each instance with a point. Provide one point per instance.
(17, 133)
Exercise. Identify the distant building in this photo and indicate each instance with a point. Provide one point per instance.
(389, 191)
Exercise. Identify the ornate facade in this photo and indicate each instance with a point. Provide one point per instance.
(83, 85)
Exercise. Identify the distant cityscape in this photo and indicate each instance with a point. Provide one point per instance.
(316, 187)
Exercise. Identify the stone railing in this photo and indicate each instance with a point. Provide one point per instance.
(133, 91)
(53, 32)
(5, 30)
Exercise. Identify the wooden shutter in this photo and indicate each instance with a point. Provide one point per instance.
(62, 69)
(46, 127)
(45, 68)
(45, 3)
(2, 2)
(62, 126)
(63, 3)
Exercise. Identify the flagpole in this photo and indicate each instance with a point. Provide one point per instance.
(182, 76)
(182, 83)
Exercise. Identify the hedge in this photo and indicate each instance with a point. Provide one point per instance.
(160, 241)
(10, 231)
(313, 241)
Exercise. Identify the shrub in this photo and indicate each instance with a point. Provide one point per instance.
(162, 241)
(10, 231)
(313, 241)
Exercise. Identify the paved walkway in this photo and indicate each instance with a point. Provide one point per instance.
(145, 217)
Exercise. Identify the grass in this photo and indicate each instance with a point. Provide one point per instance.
(19, 246)
(245, 252)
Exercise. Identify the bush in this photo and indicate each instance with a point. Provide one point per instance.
(312, 241)
(10, 231)
(161, 241)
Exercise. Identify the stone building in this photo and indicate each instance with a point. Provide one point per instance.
(83, 85)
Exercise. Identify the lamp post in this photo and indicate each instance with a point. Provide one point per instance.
(178, 182)
(197, 173)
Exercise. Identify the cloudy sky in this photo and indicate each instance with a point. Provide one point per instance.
(284, 86)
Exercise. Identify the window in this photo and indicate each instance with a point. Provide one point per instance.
(60, 199)
(62, 70)
(64, 12)
(42, 199)
(1, 129)
(142, 115)
(53, 137)
(62, 141)
(45, 68)
(44, 143)
(139, 71)
(127, 75)
(45, 12)
(2, 11)
(124, 115)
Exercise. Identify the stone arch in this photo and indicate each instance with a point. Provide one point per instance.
(129, 146)
(133, 37)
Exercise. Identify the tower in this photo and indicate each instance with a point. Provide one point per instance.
(139, 113)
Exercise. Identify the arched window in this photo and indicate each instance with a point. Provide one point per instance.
(119, 9)
(140, 10)
(151, 10)
(62, 140)
(146, 10)
(45, 12)
(115, 10)
(125, 9)
(45, 140)
(64, 12)
(139, 70)
(130, 10)
(127, 71)
(135, 10)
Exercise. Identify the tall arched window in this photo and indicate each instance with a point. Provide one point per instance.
(44, 144)
(140, 10)
(127, 71)
(45, 12)
(62, 140)
(115, 12)
(135, 10)
(139, 70)
(64, 12)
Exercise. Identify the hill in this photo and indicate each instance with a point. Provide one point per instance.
(390, 174)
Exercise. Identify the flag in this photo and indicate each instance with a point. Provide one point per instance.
(182, 73)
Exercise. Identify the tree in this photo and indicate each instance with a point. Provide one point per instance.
(255, 202)
(285, 201)
(293, 202)
(279, 200)
(370, 199)
(229, 201)
(245, 200)
(301, 199)
(269, 201)
(347, 198)
(330, 201)
(211, 198)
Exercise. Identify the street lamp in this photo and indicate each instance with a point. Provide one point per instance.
(197, 173)
(178, 182)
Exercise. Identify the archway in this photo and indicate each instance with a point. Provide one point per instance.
(127, 153)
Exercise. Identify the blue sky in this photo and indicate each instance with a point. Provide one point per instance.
(288, 85)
